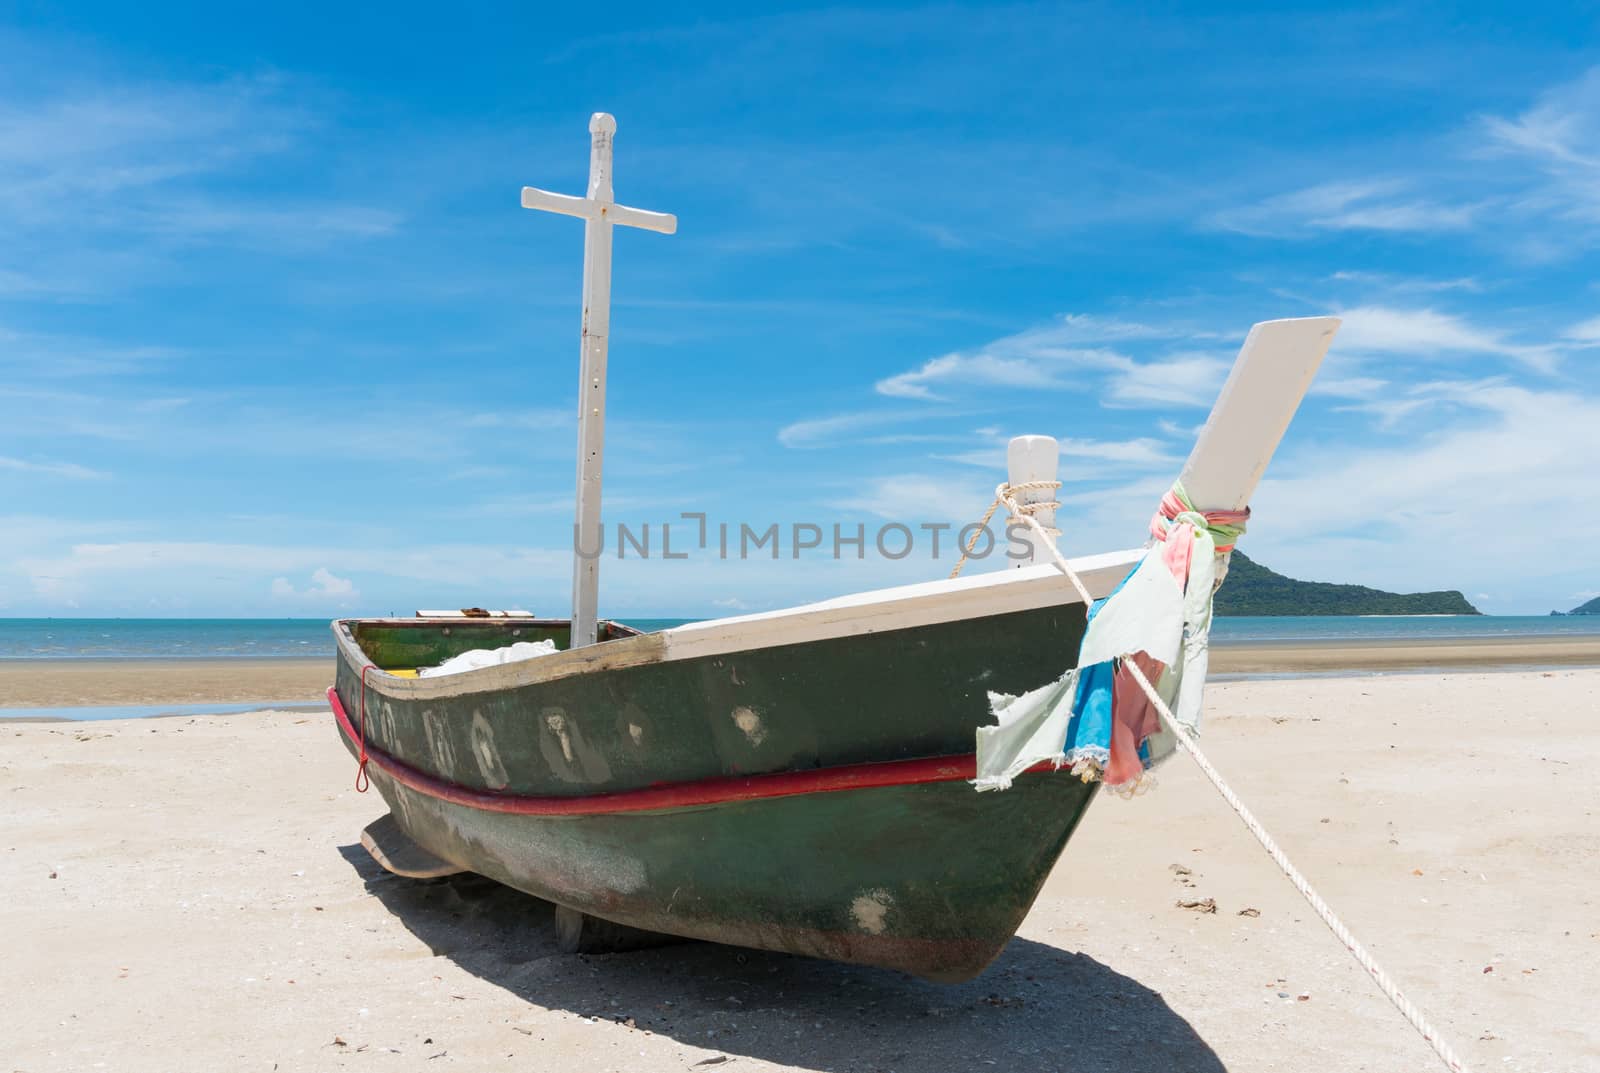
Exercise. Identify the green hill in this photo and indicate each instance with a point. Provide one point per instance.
(1590, 608)
(1252, 589)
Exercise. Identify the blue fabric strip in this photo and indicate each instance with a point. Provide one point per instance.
(1089, 731)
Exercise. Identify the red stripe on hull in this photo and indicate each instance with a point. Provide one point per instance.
(713, 791)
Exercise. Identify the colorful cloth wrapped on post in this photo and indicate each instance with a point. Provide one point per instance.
(1095, 718)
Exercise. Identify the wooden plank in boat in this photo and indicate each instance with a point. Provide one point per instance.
(474, 612)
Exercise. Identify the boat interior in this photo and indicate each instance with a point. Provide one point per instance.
(401, 645)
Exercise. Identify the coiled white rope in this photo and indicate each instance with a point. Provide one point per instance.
(1385, 982)
(1006, 493)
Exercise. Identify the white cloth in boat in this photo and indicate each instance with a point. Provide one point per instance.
(489, 657)
(1146, 614)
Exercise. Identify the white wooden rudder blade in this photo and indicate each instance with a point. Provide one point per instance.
(1033, 460)
(1274, 370)
(599, 213)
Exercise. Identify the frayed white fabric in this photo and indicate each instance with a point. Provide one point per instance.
(489, 657)
(1145, 614)
(1030, 729)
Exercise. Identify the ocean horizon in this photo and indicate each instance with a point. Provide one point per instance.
(252, 638)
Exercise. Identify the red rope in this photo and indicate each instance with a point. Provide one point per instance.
(713, 791)
(362, 781)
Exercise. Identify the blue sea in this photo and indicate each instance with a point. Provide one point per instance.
(223, 639)
(184, 638)
(68, 639)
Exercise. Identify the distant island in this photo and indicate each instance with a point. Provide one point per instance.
(1252, 589)
(1590, 608)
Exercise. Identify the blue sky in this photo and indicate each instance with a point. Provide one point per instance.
(276, 338)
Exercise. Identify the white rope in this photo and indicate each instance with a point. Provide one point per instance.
(1385, 982)
(1407, 1008)
(1006, 493)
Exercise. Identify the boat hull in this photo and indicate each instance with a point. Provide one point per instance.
(932, 879)
(810, 798)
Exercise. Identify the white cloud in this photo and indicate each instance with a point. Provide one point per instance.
(1562, 128)
(1390, 412)
(1363, 205)
(145, 158)
(1487, 497)
(1427, 333)
(70, 470)
(828, 431)
(85, 569)
(1587, 331)
(1055, 356)
(989, 370)
(1522, 181)
(1407, 283)
(1181, 380)
(914, 498)
(1559, 139)
(325, 585)
(1347, 387)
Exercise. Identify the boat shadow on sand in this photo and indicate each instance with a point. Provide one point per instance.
(1036, 1008)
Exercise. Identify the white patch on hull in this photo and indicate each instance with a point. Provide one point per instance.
(484, 752)
(749, 723)
(871, 910)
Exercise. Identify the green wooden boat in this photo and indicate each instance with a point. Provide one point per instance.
(793, 781)
(796, 780)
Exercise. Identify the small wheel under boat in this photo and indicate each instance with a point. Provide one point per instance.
(579, 933)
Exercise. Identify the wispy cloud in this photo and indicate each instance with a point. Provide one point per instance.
(1520, 181)
(1586, 332)
(69, 470)
(916, 498)
(1052, 356)
(986, 368)
(1516, 450)
(1063, 356)
(1429, 333)
(1184, 379)
(325, 587)
(1389, 282)
(1562, 129)
(109, 164)
(1347, 387)
(840, 428)
(1361, 205)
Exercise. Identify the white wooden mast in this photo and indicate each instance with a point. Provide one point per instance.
(599, 213)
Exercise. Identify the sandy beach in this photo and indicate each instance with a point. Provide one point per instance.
(70, 683)
(67, 683)
(1456, 653)
(189, 894)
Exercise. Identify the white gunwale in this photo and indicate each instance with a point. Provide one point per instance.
(902, 607)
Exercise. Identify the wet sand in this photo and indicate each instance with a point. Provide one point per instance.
(1456, 653)
(65, 683)
(190, 894)
(72, 683)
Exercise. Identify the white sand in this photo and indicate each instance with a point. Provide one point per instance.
(211, 910)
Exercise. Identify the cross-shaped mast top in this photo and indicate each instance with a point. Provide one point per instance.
(598, 205)
(599, 213)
